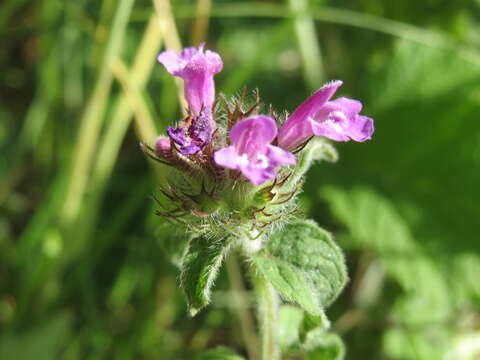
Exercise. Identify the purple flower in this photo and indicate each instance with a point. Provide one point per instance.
(338, 120)
(193, 135)
(251, 152)
(197, 68)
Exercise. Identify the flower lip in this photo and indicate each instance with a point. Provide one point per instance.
(191, 59)
(297, 128)
(338, 120)
(250, 151)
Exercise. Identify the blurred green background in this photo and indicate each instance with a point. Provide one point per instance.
(83, 267)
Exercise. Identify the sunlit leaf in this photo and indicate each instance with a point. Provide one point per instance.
(324, 346)
(304, 265)
(200, 265)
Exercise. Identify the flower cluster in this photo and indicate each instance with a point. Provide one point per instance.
(248, 146)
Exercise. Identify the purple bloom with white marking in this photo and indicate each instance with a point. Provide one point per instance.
(251, 151)
(197, 68)
(338, 120)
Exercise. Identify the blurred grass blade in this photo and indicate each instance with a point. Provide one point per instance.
(200, 26)
(343, 17)
(308, 44)
(91, 121)
(272, 40)
(144, 121)
(122, 113)
(168, 28)
(115, 132)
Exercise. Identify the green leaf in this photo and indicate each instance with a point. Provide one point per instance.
(200, 265)
(290, 319)
(321, 345)
(311, 322)
(295, 325)
(301, 333)
(219, 353)
(304, 265)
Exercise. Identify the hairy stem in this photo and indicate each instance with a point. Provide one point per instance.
(267, 299)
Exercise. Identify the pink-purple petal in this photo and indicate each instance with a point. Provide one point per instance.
(172, 61)
(251, 151)
(332, 131)
(258, 176)
(364, 129)
(339, 120)
(339, 127)
(277, 156)
(227, 157)
(251, 135)
(214, 62)
(350, 107)
(297, 129)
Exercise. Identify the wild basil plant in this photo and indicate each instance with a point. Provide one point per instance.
(232, 180)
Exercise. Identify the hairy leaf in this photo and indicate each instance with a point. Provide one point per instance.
(304, 264)
(290, 320)
(295, 327)
(324, 346)
(200, 265)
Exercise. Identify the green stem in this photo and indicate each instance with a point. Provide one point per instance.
(247, 325)
(267, 299)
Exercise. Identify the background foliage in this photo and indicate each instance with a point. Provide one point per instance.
(84, 271)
